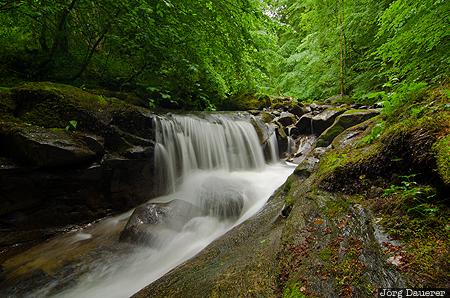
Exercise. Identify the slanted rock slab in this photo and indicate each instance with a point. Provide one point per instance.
(348, 119)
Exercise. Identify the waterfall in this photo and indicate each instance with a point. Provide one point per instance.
(273, 146)
(214, 165)
(187, 143)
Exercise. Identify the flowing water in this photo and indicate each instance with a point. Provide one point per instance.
(194, 157)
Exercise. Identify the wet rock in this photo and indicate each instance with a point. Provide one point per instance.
(276, 113)
(316, 124)
(139, 152)
(262, 129)
(297, 110)
(304, 124)
(282, 139)
(305, 146)
(286, 119)
(135, 121)
(93, 142)
(130, 180)
(222, 198)
(306, 167)
(266, 117)
(148, 219)
(46, 148)
(254, 112)
(348, 119)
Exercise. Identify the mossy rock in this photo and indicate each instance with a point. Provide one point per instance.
(442, 150)
(246, 101)
(37, 146)
(267, 117)
(53, 105)
(317, 124)
(404, 148)
(56, 105)
(348, 119)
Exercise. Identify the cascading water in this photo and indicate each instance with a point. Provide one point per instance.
(273, 145)
(188, 143)
(214, 163)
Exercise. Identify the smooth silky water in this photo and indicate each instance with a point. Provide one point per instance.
(190, 152)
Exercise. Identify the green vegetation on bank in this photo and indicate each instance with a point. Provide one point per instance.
(361, 48)
(220, 55)
(188, 54)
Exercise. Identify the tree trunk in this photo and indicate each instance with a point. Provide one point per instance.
(60, 39)
(341, 47)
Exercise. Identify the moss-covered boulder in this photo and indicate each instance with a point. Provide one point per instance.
(54, 105)
(348, 119)
(266, 117)
(69, 156)
(317, 123)
(442, 150)
(41, 147)
(245, 102)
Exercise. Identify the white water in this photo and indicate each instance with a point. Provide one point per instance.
(125, 276)
(187, 143)
(191, 151)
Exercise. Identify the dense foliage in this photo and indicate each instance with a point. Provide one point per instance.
(361, 46)
(192, 51)
(196, 54)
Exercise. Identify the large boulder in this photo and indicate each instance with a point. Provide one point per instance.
(48, 148)
(52, 105)
(348, 119)
(222, 198)
(51, 177)
(149, 219)
(316, 124)
(130, 180)
(49, 197)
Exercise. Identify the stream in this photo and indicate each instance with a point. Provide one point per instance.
(198, 159)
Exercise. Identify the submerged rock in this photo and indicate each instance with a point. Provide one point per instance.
(222, 198)
(149, 219)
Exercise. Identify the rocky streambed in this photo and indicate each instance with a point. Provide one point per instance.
(69, 157)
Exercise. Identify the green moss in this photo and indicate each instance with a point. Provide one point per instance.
(288, 184)
(57, 129)
(328, 136)
(336, 207)
(442, 153)
(266, 117)
(53, 105)
(375, 133)
(292, 290)
(247, 101)
(325, 254)
(353, 111)
(331, 161)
